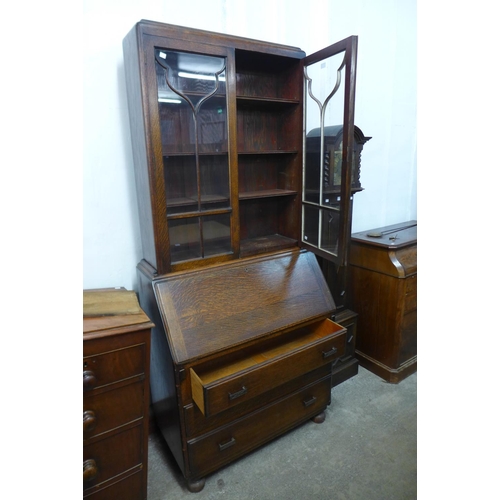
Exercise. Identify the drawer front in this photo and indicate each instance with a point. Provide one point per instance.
(253, 381)
(130, 488)
(411, 294)
(197, 424)
(208, 453)
(107, 458)
(113, 366)
(110, 409)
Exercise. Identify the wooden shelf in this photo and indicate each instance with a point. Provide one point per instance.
(269, 152)
(167, 153)
(267, 193)
(263, 244)
(265, 101)
(206, 198)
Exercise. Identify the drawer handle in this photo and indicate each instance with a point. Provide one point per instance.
(327, 354)
(89, 420)
(234, 395)
(225, 446)
(89, 380)
(309, 402)
(89, 470)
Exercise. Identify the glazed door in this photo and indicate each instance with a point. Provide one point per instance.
(329, 92)
(191, 112)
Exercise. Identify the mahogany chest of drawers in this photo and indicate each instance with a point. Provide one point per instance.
(242, 353)
(116, 351)
(383, 274)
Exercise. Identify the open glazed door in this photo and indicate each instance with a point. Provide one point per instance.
(328, 177)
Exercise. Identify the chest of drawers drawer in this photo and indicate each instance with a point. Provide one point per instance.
(129, 488)
(267, 366)
(209, 452)
(106, 368)
(106, 459)
(196, 424)
(107, 410)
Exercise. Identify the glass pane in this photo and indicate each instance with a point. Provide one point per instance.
(324, 116)
(177, 126)
(329, 221)
(312, 176)
(310, 224)
(180, 183)
(189, 73)
(217, 234)
(186, 236)
(325, 95)
(194, 130)
(212, 124)
(330, 230)
(214, 175)
(192, 102)
(185, 242)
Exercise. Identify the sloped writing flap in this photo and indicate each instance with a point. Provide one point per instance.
(218, 307)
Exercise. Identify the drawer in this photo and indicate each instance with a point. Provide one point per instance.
(197, 424)
(410, 294)
(112, 456)
(220, 447)
(103, 369)
(234, 381)
(130, 488)
(110, 409)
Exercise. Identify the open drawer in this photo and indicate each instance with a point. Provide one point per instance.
(267, 365)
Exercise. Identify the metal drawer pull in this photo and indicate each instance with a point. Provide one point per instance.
(309, 402)
(234, 395)
(329, 353)
(227, 445)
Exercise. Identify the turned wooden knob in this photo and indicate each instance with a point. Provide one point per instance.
(89, 470)
(89, 380)
(89, 420)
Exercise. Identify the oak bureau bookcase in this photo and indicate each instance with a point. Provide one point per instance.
(245, 170)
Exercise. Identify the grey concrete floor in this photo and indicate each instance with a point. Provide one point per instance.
(365, 450)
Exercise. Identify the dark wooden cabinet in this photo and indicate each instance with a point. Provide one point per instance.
(383, 268)
(242, 192)
(116, 354)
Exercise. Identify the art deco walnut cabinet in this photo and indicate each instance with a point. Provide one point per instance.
(245, 213)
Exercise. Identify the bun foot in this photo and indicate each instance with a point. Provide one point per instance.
(195, 486)
(319, 419)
